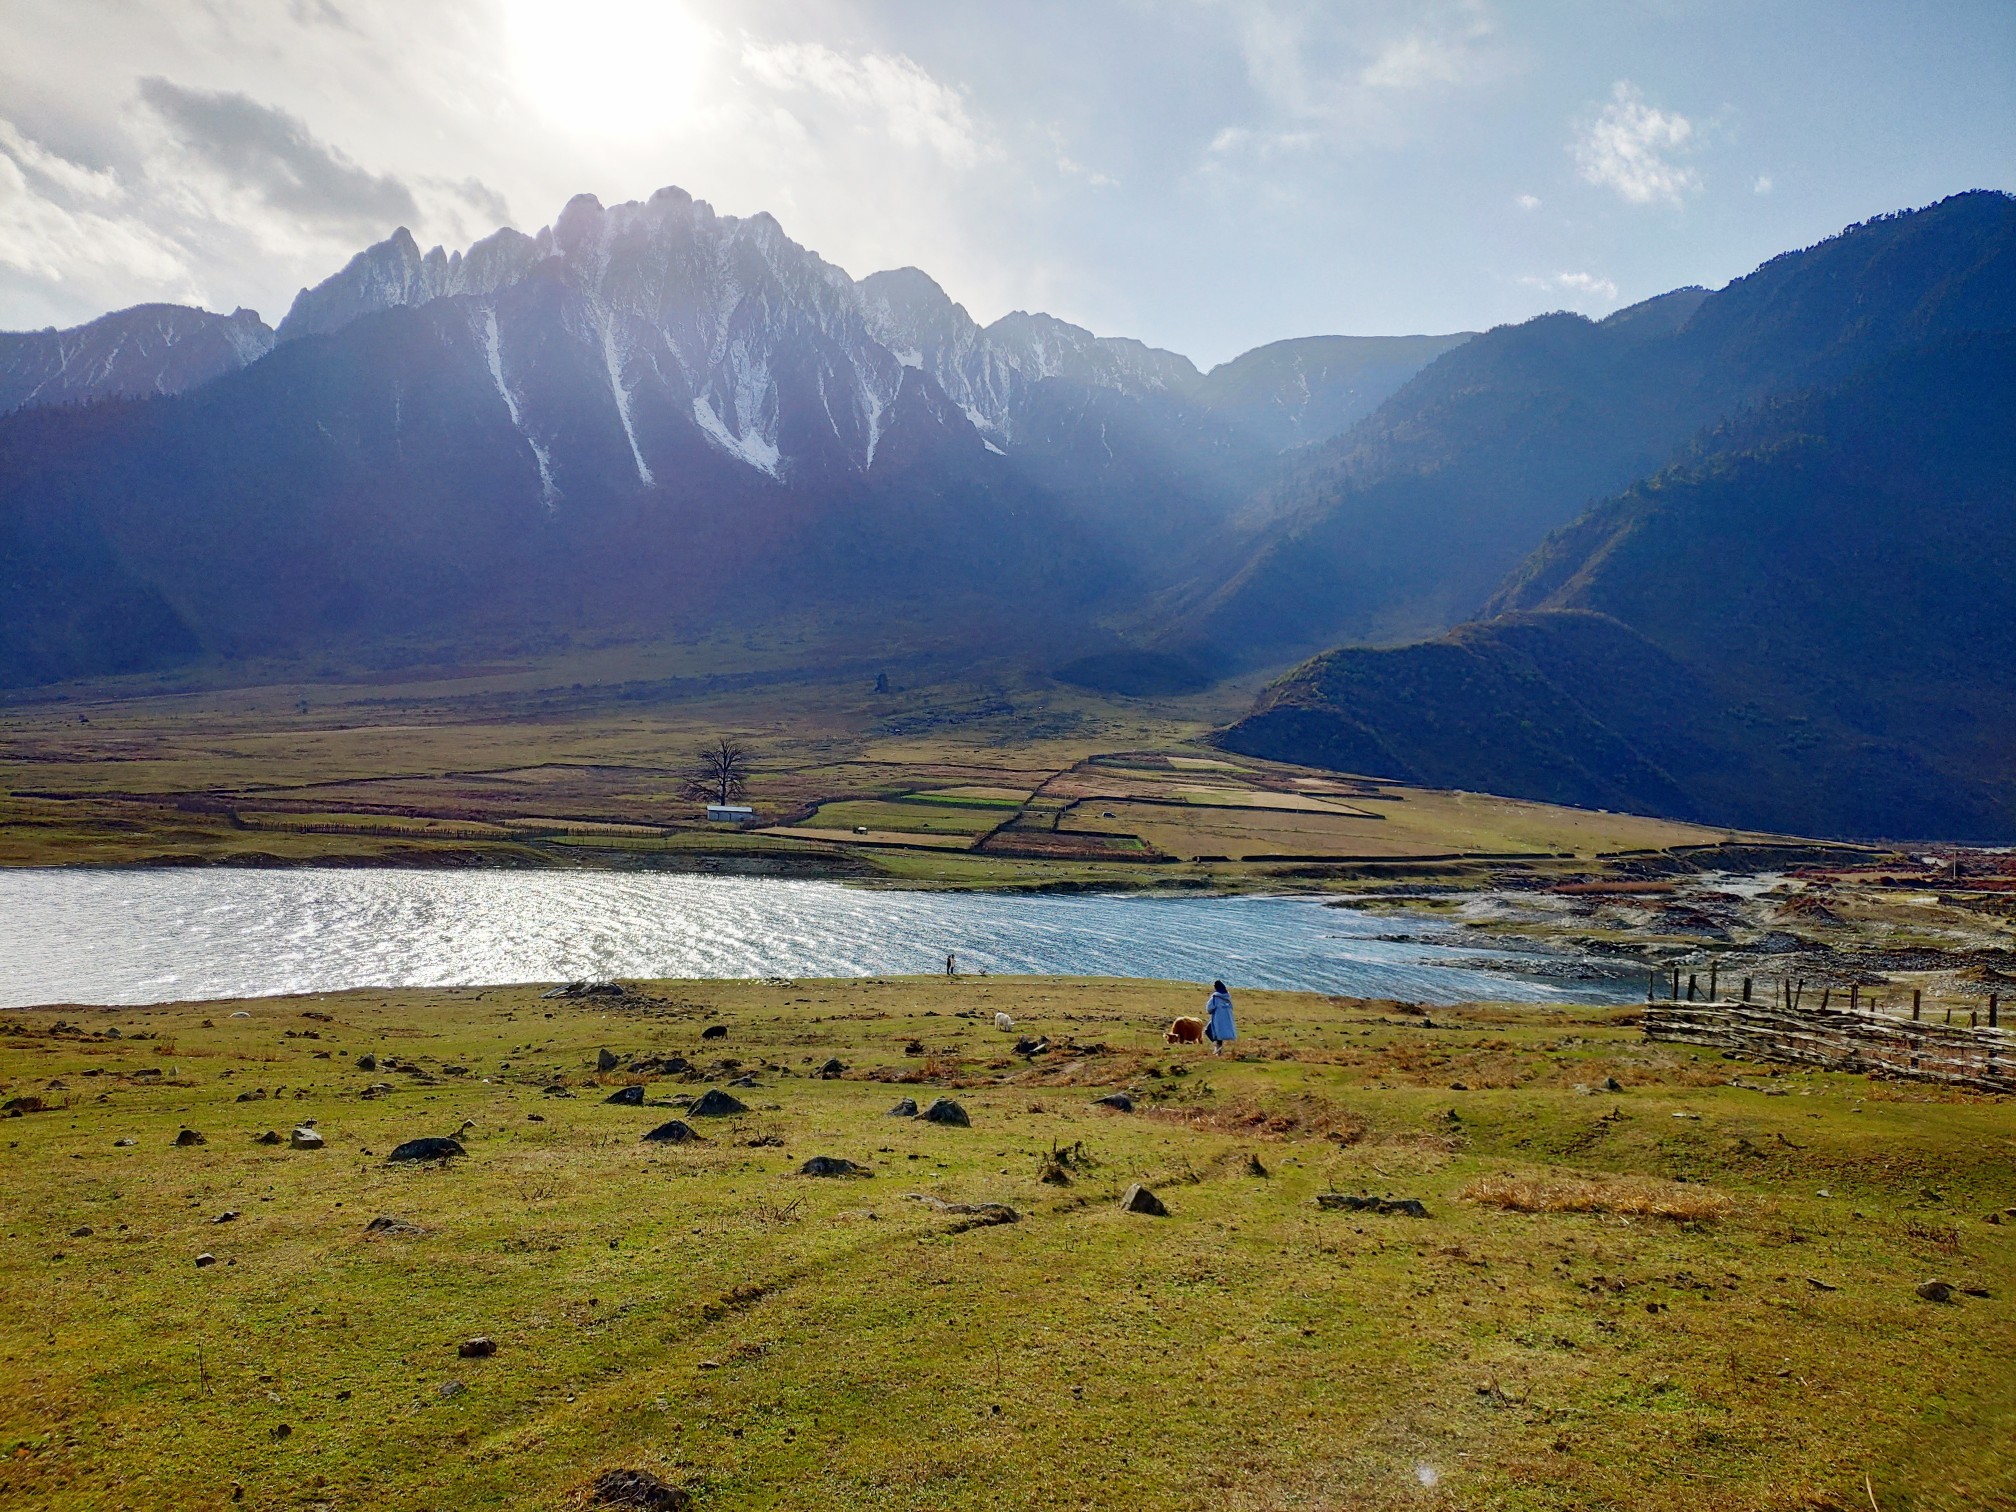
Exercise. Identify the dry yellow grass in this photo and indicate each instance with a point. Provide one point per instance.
(1630, 1196)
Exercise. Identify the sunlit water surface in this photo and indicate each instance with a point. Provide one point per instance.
(161, 936)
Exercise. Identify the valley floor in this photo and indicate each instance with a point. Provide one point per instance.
(1647, 1277)
(1012, 780)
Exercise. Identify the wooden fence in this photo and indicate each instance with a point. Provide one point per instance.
(1982, 1058)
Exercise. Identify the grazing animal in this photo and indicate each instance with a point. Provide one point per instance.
(1185, 1031)
(1002, 1021)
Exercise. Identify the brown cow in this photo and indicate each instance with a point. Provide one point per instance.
(1185, 1031)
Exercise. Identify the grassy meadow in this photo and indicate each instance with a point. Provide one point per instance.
(1694, 1288)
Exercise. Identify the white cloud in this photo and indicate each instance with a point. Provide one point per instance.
(68, 230)
(1631, 146)
(1528, 202)
(1762, 185)
(1587, 286)
(885, 93)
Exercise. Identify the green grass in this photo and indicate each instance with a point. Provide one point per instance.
(768, 1339)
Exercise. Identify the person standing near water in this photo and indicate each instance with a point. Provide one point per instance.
(1218, 1025)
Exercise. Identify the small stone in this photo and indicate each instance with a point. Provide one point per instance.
(305, 1138)
(677, 1131)
(607, 1060)
(714, 1031)
(229, 1215)
(1935, 1291)
(433, 1148)
(1119, 1102)
(1459, 1087)
(1254, 1168)
(367, 1063)
(832, 1165)
(449, 1390)
(946, 1111)
(479, 1348)
(206, 1259)
(831, 1069)
(187, 1138)
(626, 1097)
(270, 1137)
(639, 1488)
(907, 1108)
(1139, 1199)
(82, 1232)
(714, 1103)
(394, 1226)
(125, 1143)
(1611, 1084)
(1031, 1046)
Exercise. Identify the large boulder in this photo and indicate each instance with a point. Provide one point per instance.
(626, 1097)
(1138, 1199)
(714, 1103)
(677, 1131)
(832, 1165)
(431, 1148)
(946, 1111)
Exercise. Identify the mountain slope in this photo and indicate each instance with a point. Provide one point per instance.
(1808, 627)
(1404, 525)
(149, 349)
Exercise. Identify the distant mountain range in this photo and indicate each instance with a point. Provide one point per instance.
(1740, 555)
(1802, 619)
(639, 420)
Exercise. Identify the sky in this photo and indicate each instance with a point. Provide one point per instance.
(1205, 175)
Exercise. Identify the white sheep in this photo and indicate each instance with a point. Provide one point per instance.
(1003, 1022)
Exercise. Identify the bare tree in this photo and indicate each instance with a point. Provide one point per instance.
(723, 772)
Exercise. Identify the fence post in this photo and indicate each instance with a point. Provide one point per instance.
(1854, 997)
(1690, 986)
(1648, 986)
(1676, 984)
(1917, 994)
(1746, 989)
(1993, 1016)
(1713, 970)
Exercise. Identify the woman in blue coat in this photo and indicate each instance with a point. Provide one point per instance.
(1218, 1025)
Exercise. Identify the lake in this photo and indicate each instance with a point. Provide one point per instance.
(130, 937)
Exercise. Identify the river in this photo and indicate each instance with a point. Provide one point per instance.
(134, 936)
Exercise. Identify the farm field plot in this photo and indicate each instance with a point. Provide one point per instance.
(1698, 1289)
(899, 815)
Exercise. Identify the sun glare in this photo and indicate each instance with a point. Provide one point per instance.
(609, 67)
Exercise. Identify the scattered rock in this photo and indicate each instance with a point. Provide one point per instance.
(907, 1108)
(1975, 1291)
(832, 1068)
(208, 1259)
(367, 1063)
(125, 1143)
(397, 1227)
(85, 1231)
(675, 1132)
(270, 1137)
(607, 1060)
(1031, 1046)
(1935, 1291)
(556, 1090)
(981, 1214)
(626, 1097)
(187, 1138)
(1139, 1199)
(432, 1148)
(946, 1111)
(1459, 1086)
(449, 1390)
(1818, 1285)
(714, 1103)
(1409, 1207)
(454, 1070)
(305, 1138)
(832, 1165)
(479, 1348)
(1611, 1084)
(714, 1031)
(638, 1488)
(745, 1081)
(1254, 1168)
(229, 1215)
(1119, 1102)
(914, 1047)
